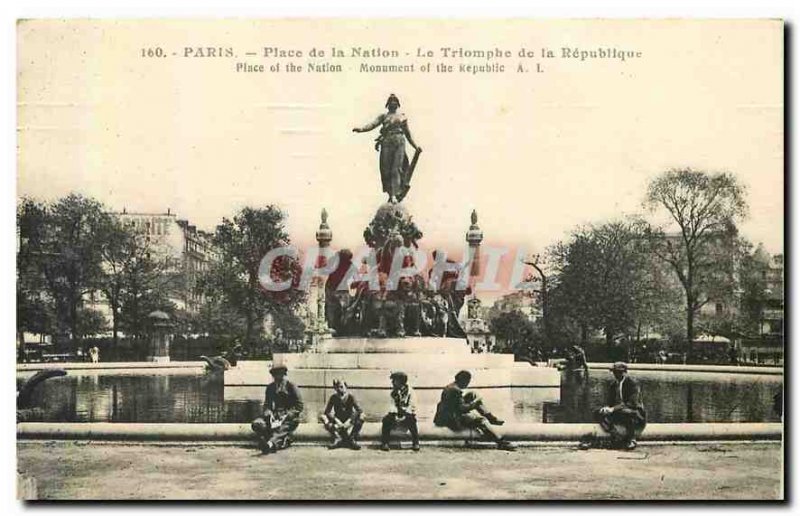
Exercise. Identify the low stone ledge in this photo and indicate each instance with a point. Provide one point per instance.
(688, 368)
(79, 366)
(312, 432)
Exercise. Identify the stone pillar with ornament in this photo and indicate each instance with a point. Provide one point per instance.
(318, 325)
(479, 337)
(474, 239)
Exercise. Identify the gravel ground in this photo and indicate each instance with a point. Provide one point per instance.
(96, 471)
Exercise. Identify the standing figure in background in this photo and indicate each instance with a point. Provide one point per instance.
(282, 408)
(402, 411)
(395, 169)
(94, 354)
(342, 417)
(733, 355)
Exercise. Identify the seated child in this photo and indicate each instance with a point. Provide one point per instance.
(342, 417)
(402, 412)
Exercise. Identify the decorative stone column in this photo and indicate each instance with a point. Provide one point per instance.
(474, 239)
(479, 337)
(319, 324)
(160, 336)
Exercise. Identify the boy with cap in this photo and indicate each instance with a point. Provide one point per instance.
(282, 408)
(342, 417)
(458, 411)
(624, 416)
(402, 412)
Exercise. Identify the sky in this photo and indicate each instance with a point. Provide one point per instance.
(536, 154)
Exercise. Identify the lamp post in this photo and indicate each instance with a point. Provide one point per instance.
(536, 263)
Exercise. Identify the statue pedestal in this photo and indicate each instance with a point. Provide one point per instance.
(365, 364)
(430, 362)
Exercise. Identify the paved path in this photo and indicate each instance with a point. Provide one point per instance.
(80, 470)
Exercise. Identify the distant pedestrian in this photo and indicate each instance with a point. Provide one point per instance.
(402, 411)
(342, 417)
(777, 404)
(94, 354)
(624, 416)
(282, 409)
(458, 410)
(733, 355)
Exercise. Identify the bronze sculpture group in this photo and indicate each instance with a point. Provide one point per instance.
(416, 305)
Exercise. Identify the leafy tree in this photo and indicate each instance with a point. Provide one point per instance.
(134, 282)
(290, 327)
(606, 279)
(34, 308)
(120, 249)
(146, 288)
(218, 319)
(575, 287)
(514, 330)
(91, 322)
(704, 207)
(233, 280)
(60, 242)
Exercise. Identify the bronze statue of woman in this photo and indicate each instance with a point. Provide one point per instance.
(395, 169)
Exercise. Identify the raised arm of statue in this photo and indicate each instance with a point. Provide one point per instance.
(370, 126)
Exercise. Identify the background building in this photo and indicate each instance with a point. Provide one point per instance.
(479, 337)
(183, 247)
(524, 300)
(768, 345)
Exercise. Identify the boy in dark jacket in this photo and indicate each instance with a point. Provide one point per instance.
(282, 408)
(342, 417)
(458, 411)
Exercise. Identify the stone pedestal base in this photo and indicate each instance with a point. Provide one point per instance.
(365, 364)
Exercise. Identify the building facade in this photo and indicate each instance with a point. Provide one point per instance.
(767, 347)
(479, 336)
(524, 300)
(181, 245)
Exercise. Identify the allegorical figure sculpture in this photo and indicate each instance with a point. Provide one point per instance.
(396, 171)
(367, 299)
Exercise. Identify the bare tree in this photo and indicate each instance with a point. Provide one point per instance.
(705, 207)
(538, 263)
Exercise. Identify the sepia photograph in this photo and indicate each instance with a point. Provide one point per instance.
(406, 259)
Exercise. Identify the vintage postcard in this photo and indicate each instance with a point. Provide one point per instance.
(400, 259)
